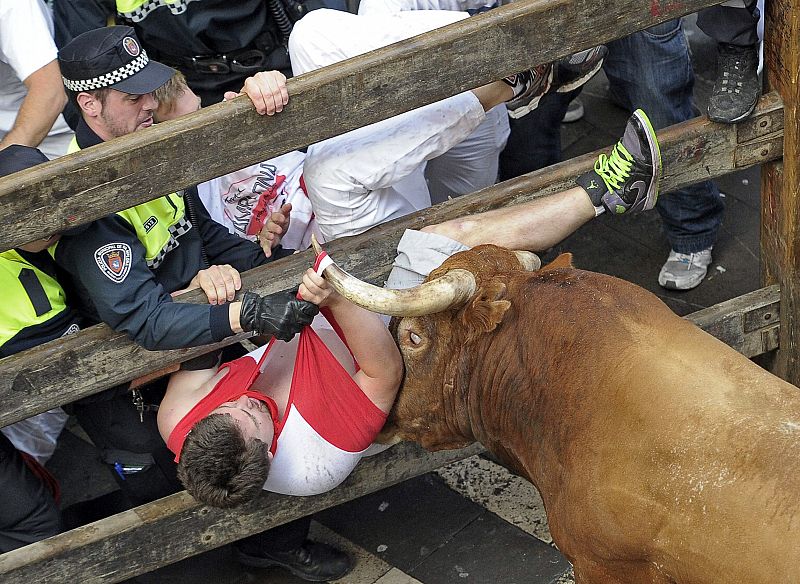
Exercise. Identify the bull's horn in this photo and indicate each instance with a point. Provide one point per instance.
(450, 290)
(530, 261)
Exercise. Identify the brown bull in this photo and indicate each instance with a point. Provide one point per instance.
(661, 454)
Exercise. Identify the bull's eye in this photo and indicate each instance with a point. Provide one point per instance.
(415, 338)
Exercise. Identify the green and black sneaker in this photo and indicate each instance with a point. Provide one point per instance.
(626, 181)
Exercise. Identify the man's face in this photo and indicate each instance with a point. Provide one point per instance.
(124, 113)
(186, 103)
(252, 416)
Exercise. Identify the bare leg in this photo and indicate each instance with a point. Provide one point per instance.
(493, 94)
(533, 226)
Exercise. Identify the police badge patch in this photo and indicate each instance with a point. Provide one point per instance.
(131, 46)
(114, 260)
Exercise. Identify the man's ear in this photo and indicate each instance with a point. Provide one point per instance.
(89, 104)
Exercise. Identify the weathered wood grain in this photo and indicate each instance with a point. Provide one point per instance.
(146, 164)
(176, 527)
(780, 187)
(98, 358)
(747, 322)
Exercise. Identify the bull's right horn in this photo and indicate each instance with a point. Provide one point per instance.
(450, 290)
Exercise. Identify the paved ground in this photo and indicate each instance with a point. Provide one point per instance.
(473, 521)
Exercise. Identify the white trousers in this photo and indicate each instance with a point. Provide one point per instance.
(377, 173)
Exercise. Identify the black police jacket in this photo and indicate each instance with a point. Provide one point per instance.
(124, 266)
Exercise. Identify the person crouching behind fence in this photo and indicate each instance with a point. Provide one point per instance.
(292, 418)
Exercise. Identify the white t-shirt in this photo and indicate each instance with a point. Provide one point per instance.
(243, 200)
(26, 45)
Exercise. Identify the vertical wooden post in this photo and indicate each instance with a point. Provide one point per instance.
(780, 185)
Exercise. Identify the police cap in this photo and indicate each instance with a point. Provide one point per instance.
(110, 57)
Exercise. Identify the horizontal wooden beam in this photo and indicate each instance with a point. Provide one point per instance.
(177, 527)
(750, 323)
(109, 177)
(97, 358)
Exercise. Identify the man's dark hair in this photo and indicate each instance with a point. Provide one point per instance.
(219, 467)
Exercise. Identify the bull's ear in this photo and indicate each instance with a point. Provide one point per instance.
(562, 261)
(486, 310)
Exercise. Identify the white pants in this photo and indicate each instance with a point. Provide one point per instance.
(377, 173)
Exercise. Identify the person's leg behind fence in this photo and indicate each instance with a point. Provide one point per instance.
(651, 69)
(734, 25)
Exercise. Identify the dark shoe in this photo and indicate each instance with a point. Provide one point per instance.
(565, 75)
(573, 71)
(312, 561)
(736, 88)
(529, 87)
(627, 179)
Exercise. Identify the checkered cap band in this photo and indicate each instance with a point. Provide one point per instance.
(128, 70)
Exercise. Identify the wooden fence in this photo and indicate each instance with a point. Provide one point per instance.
(86, 185)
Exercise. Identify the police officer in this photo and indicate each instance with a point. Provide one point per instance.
(216, 44)
(33, 311)
(125, 266)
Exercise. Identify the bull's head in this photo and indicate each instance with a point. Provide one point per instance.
(459, 303)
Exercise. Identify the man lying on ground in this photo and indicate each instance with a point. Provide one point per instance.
(298, 415)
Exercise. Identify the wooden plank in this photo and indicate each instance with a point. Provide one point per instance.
(780, 190)
(146, 164)
(98, 358)
(747, 322)
(176, 527)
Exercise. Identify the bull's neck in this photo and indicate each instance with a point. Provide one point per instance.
(506, 409)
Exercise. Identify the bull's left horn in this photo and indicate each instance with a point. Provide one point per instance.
(448, 291)
(530, 261)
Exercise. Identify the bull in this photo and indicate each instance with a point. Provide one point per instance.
(661, 454)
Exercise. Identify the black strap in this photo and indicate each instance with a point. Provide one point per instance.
(35, 291)
(191, 213)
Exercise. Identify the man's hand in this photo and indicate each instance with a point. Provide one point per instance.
(316, 289)
(280, 315)
(267, 90)
(219, 282)
(276, 227)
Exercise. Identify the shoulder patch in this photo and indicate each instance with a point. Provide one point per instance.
(114, 260)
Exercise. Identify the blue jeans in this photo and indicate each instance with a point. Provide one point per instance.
(535, 139)
(651, 70)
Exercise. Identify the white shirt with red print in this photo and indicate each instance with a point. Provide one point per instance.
(243, 200)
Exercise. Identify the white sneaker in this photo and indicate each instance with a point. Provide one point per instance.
(574, 111)
(684, 271)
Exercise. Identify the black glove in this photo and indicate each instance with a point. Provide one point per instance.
(280, 315)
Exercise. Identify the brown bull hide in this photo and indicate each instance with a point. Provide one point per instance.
(661, 454)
